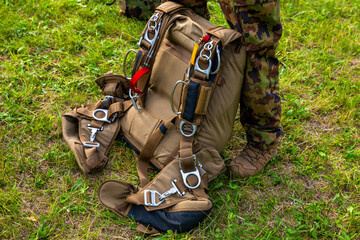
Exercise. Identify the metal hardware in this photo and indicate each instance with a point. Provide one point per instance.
(124, 64)
(152, 201)
(172, 191)
(172, 95)
(91, 142)
(218, 56)
(188, 72)
(196, 172)
(155, 27)
(207, 47)
(204, 71)
(133, 99)
(105, 118)
(182, 124)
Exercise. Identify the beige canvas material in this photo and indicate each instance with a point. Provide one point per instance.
(218, 104)
(78, 124)
(118, 196)
(112, 194)
(76, 132)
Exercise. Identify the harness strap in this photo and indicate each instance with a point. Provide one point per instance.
(148, 151)
(195, 101)
(147, 230)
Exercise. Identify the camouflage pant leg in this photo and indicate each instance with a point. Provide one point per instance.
(260, 104)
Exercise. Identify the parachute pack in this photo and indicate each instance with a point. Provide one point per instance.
(176, 111)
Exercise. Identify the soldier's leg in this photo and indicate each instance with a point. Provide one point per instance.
(260, 106)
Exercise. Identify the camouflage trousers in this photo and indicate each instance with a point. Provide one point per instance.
(260, 104)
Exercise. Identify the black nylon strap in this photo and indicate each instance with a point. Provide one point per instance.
(191, 101)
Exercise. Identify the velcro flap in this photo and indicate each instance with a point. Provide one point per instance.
(203, 100)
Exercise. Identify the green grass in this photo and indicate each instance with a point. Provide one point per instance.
(50, 53)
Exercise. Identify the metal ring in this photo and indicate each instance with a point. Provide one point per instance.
(125, 58)
(208, 46)
(204, 71)
(172, 95)
(103, 119)
(182, 122)
(204, 55)
(196, 172)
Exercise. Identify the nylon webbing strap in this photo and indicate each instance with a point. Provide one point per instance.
(191, 100)
(140, 76)
(204, 66)
(148, 151)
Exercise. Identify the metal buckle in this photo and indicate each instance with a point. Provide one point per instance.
(172, 95)
(196, 172)
(133, 97)
(154, 27)
(91, 142)
(172, 191)
(177, 190)
(182, 124)
(152, 201)
(204, 71)
(124, 64)
(105, 118)
(207, 47)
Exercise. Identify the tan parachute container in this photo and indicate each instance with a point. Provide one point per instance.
(176, 110)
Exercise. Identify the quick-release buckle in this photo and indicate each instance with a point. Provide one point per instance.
(152, 201)
(172, 191)
(196, 172)
(152, 25)
(105, 118)
(133, 99)
(208, 47)
(91, 142)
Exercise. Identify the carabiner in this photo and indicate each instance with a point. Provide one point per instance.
(172, 95)
(133, 97)
(219, 60)
(124, 64)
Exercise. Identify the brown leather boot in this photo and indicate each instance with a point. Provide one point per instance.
(252, 160)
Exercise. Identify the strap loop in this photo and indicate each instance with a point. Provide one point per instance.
(136, 78)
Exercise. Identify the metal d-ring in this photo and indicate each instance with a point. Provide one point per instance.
(126, 55)
(185, 175)
(172, 95)
(182, 122)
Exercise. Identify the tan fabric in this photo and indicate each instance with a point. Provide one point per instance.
(112, 195)
(218, 105)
